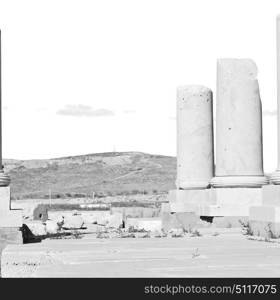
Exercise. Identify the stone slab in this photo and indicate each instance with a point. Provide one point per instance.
(216, 201)
(231, 201)
(165, 207)
(148, 224)
(236, 196)
(271, 195)
(11, 218)
(5, 196)
(265, 214)
(229, 222)
(89, 217)
(188, 200)
(183, 220)
(10, 235)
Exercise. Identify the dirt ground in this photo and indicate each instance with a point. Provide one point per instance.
(227, 253)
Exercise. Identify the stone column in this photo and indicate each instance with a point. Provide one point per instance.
(275, 177)
(239, 154)
(195, 156)
(4, 179)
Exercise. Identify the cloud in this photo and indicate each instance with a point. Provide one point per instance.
(84, 111)
(270, 113)
(129, 111)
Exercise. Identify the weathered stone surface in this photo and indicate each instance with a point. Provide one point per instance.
(221, 202)
(231, 201)
(239, 154)
(115, 220)
(36, 227)
(195, 157)
(5, 196)
(229, 221)
(184, 220)
(265, 214)
(264, 229)
(10, 235)
(165, 207)
(31, 210)
(51, 227)
(148, 224)
(8, 217)
(89, 217)
(271, 195)
(188, 200)
(275, 177)
(73, 222)
(137, 211)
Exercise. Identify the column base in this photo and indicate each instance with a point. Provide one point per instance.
(5, 179)
(239, 181)
(193, 185)
(275, 177)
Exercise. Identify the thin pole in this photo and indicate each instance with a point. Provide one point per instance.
(1, 168)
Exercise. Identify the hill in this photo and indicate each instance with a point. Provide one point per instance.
(113, 173)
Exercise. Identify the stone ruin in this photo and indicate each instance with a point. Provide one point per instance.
(10, 219)
(235, 186)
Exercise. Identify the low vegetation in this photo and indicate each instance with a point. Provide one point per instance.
(102, 174)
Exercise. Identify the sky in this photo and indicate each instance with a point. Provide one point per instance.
(101, 75)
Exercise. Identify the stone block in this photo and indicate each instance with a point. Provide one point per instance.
(165, 207)
(5, 196)
(8, 217)
(37, 228)
(115, 220)
(188, 200)
(184, 220)
(11, 218)
(216, 201)
(10, 235)
(271, 195)
(148, 224)
(51, 227)
(96, 216)
(265, 214)
(229, 222)
(31, 210)
(231, 201)
(73, 222)
(265, 220)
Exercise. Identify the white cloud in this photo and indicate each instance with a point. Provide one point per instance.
(84, 111)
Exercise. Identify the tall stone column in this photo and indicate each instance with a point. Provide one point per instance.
(275, 177)
(4, 178)
(239, 153)
(195, 154)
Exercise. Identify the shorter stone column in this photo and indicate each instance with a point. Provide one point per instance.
(195, 157)
(239, 152)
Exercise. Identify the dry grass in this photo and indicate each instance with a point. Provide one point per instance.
(105, 174)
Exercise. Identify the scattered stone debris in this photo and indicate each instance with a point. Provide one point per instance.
(195, 233)
(102, 235)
